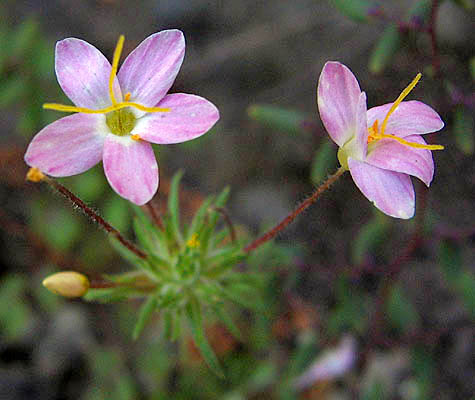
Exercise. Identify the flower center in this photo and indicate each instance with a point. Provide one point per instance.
(376, 133)
(116, 106)
(121, 122)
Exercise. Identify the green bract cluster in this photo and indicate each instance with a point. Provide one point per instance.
(188, 270)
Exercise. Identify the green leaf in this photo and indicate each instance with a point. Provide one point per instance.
(468, 5)
(375, 391)
(213, 218)
(461, 280)
(5, 40)
(239, 293)
(463, 129)
(423, 366)
(224, 266)
(228, 322)
(450, 261)
(144, 236)
(323, 161)
(195, 319)
(12, 90)
(369, 238)
(385, 49)
(174, 207)
(129, 255)
(156, 237)
(282, 119)
(146, 311)
(127, 277)
(199, 217)
(110, 295)
(350, 313)
(402, 314)
(466, 288)
(15, 314)
(357, 10)
(24, 38)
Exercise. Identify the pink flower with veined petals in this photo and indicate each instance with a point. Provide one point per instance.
(118, 114)
(381, 146)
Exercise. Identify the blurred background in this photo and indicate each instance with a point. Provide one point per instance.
(357, 305)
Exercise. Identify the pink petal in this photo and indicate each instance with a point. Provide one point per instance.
(83, 74)
(150, 70)
(68, 146)
(130, 168)
(338, 96)
(410, 118)
(190, 116)
(391, 192)
(391, 155)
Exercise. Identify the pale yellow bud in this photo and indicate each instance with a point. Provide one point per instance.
(68, 284)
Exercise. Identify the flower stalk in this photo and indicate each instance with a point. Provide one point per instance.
(302, 207)
(35, 175)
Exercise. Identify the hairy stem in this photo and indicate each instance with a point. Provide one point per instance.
(76, 201)
(302, 207)
(227, 220)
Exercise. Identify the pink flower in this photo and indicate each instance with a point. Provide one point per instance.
(381, 146)
(118, 114)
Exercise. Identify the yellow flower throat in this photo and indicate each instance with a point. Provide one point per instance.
(119, 119)
(377, 133)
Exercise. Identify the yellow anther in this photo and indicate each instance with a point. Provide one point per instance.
(127, 96)
(135, 137)
(115, 64)
(193, 242)
(35, 175)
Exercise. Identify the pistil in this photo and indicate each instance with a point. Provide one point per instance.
(376, 134)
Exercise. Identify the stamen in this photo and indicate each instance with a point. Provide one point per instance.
(373, 132)
(117, 106)
(193, 242)
(135, 137)
(35, 175)
(115, 64)
(412, 144)
(398, 101)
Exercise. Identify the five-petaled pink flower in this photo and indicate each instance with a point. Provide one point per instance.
(117, 114)
(381, 146)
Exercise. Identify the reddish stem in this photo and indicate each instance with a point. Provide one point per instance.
(302, 207)
(227, 220)
(154, 214)
(95, 217)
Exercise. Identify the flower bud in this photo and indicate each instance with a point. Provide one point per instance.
(68, 284)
